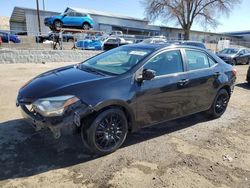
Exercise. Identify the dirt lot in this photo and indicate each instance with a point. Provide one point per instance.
(190, 152)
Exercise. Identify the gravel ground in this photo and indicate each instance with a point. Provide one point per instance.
(189, 152)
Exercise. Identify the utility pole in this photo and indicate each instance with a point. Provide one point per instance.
(38, 16)
(43, 4)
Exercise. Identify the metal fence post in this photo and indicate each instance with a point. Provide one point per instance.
(8, 40)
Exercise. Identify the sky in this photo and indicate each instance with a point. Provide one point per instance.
(237, 21)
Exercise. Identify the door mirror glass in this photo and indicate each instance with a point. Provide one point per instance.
(147, 74)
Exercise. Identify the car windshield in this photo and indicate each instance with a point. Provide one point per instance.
(116, 61)
(230, 51)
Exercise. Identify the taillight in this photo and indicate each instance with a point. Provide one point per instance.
(234, 71)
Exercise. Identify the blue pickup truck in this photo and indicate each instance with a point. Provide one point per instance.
(70, 20)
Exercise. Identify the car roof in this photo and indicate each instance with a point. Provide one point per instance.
(156, 46)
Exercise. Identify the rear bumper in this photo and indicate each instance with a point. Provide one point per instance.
(61, 125)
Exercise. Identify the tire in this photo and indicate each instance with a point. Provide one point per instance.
(234, 62)
(70, 40)
(219, 105)
(57, 24)
(107, 132)
(86, 26)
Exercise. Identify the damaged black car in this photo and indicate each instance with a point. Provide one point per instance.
(126, 89)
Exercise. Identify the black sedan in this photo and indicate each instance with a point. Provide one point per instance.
(235, 56)
(125, 89)
(113, 42)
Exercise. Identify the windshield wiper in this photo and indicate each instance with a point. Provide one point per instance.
(90, 69)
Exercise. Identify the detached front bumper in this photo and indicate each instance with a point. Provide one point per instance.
(66, 124)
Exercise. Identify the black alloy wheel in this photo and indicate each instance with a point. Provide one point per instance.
(220, 104)
(86, 26)
(58, 24)
(107, 132)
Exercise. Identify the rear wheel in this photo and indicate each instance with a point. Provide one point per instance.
(219, 105)
(107, 132)
(86, 26)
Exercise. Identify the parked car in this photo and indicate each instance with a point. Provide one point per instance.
(248, 75)
(155, 40)
(67, 37)
(71, 20)
(113, 42)
(90, 43)
(1, 41)
(116, 33)
(125, 89)
(194, 43)
(6, 38)
(235, 56)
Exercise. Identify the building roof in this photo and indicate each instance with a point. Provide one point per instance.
(239, 33)
(101, 13)
(18, 13)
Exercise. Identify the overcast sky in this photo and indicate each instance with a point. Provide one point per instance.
(237, 21)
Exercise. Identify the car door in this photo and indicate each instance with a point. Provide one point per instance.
(78, 20)
(68, 19)
(241, 58)
(203, 74)
(245, 56)
(164, 97)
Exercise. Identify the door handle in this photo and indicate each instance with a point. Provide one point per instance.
(217, 74)
(183, 82)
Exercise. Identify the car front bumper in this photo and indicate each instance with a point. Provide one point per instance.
(48, 21)
(66, 124)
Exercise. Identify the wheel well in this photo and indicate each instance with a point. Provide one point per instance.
(228, 89)
(86, 23)
(90, 118)
(57, 20)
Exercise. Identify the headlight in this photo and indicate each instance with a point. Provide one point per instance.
(54, 106)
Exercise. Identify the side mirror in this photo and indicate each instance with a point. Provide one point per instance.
(147, 74)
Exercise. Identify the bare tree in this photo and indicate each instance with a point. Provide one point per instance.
(186, 12)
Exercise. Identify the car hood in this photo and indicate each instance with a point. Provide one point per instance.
(56, 82)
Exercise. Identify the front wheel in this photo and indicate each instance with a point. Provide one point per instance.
(107, 132)
(234, 62)
(219, 105)
(58, 24)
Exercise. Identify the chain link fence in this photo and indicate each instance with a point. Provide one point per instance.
(66, 40)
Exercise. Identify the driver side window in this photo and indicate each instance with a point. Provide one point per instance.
(166, 63)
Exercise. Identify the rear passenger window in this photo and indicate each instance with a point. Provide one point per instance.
(196, 60)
